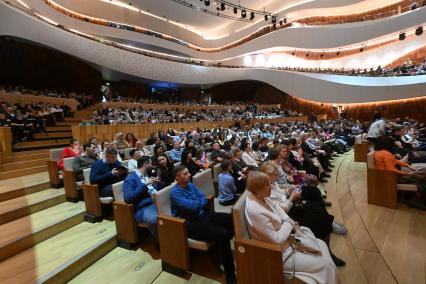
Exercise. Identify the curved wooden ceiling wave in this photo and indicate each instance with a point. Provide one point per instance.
(327, 20)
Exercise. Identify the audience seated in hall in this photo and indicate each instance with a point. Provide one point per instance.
(139, 190)
(175, 154)
(385, 160)
(226, 184)
(73, 150)
(132, 164)
(85, 160)
(106, 172)
(268, 222)
(165, 171)
(190, 203)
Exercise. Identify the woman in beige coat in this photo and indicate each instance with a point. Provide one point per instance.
(267, 222)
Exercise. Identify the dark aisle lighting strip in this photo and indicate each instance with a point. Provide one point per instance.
(217, 14)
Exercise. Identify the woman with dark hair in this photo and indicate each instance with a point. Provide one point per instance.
(130, 140)
(189, 146)
(165, 171)
(188, 162)
(256, 152)
(385, 160)
(158, 151)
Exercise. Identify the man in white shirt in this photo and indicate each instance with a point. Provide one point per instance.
(377, 129)
(132, 165)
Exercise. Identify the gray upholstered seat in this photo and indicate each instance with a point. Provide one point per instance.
(162, 199)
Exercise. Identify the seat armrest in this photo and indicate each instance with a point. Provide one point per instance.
(70, 186)
(92, 202)
(124, 215)
(52, 168)
(173, 240)
(248, 255)
(210, 203)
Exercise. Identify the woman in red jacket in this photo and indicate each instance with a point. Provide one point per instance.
(73, 150)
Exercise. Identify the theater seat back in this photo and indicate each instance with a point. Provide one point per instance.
(162, 199)
(209, 157)
(68, 162)
(127, 153)
(55, 154)
(240, 224)
(370, 160)
(118, 191)
(358, 139)
(216, 171)
(86, 174)
(204, 182)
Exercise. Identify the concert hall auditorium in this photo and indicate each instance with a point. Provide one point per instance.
(213, 141)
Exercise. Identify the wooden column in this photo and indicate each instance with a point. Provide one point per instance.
(5, 143)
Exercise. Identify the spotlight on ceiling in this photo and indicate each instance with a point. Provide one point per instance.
(419, 31)
(285, 20)
(322, 55)
(252, 16)
(293, 53)
(281, 23)
(266, 17)
(207, 2)
(273, 19)
(338, 53)
(362, 49)
(307, 54)
(243, 14)
(401, 36)
(235, 10)
(222, 6)
(274, 27)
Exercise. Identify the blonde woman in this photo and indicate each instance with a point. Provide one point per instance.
(267, 222)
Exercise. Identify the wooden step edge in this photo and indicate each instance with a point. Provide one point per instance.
(22, 172)
(24, 191)
(40, 147)
(42, 234)
(76, 265)
(33, 208)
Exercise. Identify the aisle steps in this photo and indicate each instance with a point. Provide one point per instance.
(50, 135)
(11, 166)
(66, 128)
(25, 205)
(25, 232)
(121, 266)
(16, 187)
(23, 172)
(63, 256)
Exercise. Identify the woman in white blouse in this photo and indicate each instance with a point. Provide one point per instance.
(248, 156)
(267, 222)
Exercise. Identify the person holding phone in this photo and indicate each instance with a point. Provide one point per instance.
(139, 188)
(107, 171)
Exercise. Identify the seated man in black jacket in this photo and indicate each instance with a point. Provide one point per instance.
(85, 161)
(106, 172)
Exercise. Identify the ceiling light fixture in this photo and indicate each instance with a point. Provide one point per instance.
(401, 36)
(207, 2)
(222, 6)
(274, 19)
(419, 31)
(266, 17)
(252, 16)
(243, 14)
(235, 10)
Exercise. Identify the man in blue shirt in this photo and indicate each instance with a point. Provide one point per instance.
(138, 190)
(106, 172)
(226, 184)
(190, 203)
(176, 153)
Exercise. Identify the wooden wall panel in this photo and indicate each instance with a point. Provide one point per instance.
(37, 67)
(107, 132)
(28, 99)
